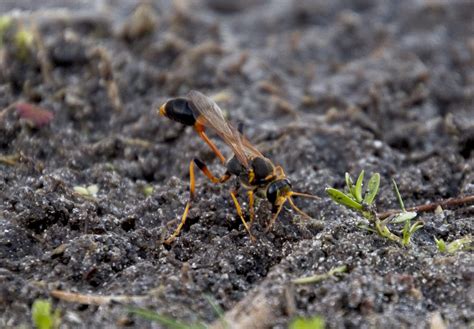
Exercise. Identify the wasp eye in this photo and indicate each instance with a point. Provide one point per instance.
(272, 193)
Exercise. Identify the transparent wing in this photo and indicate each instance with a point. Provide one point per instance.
(209, 114)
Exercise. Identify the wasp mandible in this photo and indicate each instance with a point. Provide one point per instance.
(256, 173)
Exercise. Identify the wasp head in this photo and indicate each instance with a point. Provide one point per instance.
(278, 191)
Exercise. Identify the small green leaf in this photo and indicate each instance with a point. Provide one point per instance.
(403, 217)
(349, 182)
(42, 315)
(5, 23)
(458, 244)
(316, 322)
(81, 190)
(409, 230)
(148, 190)
(397, 193)
(344, 199)
(367, 228)
(440, 244)
(24, 41)
(88, 192)
(93, 189)
(415, 227)
(372, 189)
(358, 187)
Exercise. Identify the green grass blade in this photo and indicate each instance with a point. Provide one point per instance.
(218, 310)
(406, 233)
(358, 187)
(372, 189)
(415, 227)
(440, 244)
(397, 193)
(349, 182)
(403, 217)
(342, 198)
(166, 321)
(316, 322)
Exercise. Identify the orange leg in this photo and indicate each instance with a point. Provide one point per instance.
(298, 210)
(275, 212)
(192, 187)
(176, 232)
(241, 215)
(200, 130)
(251, 197)
(202, 166)
(276, 208)
(279, 172)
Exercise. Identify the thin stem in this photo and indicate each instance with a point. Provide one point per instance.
(448, 203)
(383, 231)
(379, 226)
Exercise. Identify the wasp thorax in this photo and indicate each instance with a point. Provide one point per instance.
(262, 168)
(278, 189)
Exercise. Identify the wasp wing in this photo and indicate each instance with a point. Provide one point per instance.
(209, 114)
(250, 149)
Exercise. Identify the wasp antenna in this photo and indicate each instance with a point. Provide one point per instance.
(301, 212)
(306, 195)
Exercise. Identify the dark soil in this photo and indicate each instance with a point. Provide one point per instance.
(322, 87)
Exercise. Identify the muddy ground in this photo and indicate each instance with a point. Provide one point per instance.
(322, 87)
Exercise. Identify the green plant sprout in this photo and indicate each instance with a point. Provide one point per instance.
(5, 24)
(43, 316)
(453, 246)
(87, 192)
(219, 311)
(321, 277)
(24, 41)
(166, 321)
(364, 203)
(147, 190)
(172, 323)
(315, 322)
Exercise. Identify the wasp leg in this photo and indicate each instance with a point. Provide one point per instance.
(279, 172)
(202, 166)
(180, 226)
(200, 130)
(192, 191)
(275, 212)
(192, 181)
(251, 197)
(298, 210)
(241, 215)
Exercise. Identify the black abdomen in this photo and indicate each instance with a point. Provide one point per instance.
(178, 109)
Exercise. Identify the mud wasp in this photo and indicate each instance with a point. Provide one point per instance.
(259, 176)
